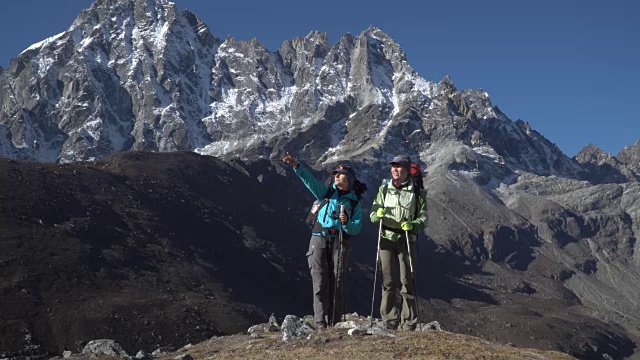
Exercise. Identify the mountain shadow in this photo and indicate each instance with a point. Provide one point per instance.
(150, 249)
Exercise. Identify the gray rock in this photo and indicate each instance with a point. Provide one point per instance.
(346, 325)
(271, 326)
(378, 323)
(375, 330)
(105, 347)
(184, 348)
(66, 354)
(273, 323)
(356, 332)
(143, 355)
(293, 327)
(263, 328)
(255, 328)
(157, 352)
(434, 325)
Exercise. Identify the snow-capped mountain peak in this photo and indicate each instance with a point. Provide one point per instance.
(144, 75)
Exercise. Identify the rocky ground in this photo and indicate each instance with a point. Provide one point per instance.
(355, 338)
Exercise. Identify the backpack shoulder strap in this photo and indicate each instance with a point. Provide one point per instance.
(385, 187)
(325, 199)
(354, 203)
(329, 192)
(416, 194)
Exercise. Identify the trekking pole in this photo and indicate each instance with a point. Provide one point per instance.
(375, 274)
(330, 262)
(337, 268)
(413, 277)
(341, 257)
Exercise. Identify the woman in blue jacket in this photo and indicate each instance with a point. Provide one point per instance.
(327, 260)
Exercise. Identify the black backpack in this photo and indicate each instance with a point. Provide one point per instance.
(312, 218)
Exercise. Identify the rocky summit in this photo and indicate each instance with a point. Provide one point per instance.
(142, 198)
(356, 337)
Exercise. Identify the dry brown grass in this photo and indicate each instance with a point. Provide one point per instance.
(337, 344)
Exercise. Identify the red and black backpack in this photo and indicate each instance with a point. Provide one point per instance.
(416, 175)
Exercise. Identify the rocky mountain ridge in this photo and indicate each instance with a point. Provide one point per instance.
(144, 75)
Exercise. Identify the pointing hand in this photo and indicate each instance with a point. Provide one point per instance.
(289, 159)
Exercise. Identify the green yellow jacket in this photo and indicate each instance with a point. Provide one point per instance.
(400, 206)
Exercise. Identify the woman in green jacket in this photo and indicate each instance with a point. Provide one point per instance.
(402, 210)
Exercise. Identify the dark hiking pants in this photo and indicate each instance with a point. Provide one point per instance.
(327, 280)
(394, 257)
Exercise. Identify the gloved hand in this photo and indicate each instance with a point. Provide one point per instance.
(374, 217)
(380, 213)
(406, 226)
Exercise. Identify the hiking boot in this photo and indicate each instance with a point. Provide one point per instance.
(390, 325)
(408, 328)
(320, 326)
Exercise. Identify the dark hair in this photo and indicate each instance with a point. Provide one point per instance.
(359, 188)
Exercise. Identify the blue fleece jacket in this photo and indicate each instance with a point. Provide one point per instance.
(328, 214)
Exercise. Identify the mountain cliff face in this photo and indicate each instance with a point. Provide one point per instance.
(126, 75)
(601, 167)
(525, 229)
(143, 75)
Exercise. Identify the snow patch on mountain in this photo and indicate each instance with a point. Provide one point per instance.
(489, 152)
(141, 75)
(44, 42)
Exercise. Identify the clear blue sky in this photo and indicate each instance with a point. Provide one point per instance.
(569, 67)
